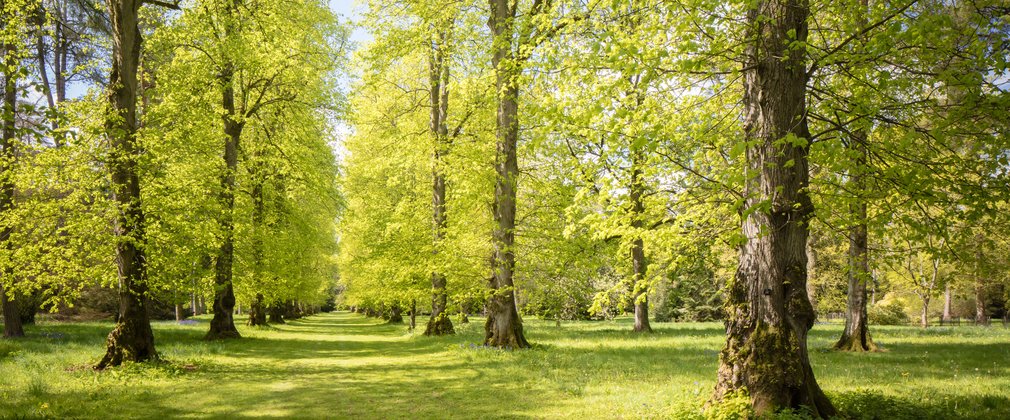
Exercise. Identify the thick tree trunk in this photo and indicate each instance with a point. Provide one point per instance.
(769, 313)
(132, 339)
(222, 326)
(258, 312)
(856, 336)
(12, 316)
(438, 69)
(811, 273)
(504, 328)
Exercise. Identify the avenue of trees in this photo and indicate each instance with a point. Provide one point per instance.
(176, 176)
(766, 163)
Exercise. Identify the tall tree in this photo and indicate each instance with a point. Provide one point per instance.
(769, 311)
(438, 74)
(504, 328)
(132, 339)
(10, 61)
(223, 323)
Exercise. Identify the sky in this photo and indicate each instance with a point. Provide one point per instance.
(351, 9)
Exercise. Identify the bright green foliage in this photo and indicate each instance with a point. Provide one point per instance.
(285, 59)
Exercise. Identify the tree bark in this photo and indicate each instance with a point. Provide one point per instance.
(924, 316)
(856, 336)
(640, 266)
(504, 328)
(413, 314)
(439, 323)
(769, 313)
(222, 326)
(12, 316)
(258, 312)
(132, 339)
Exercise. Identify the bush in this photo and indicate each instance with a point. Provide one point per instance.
(888, 313)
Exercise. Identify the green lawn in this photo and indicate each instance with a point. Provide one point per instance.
(344, 365)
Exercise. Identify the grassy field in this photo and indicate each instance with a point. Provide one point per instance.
(343, 365)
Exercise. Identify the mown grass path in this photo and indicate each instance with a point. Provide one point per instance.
(343, 365)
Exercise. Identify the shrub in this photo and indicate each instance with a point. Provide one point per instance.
(888, 313)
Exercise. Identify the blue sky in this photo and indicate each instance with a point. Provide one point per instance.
(350, 9)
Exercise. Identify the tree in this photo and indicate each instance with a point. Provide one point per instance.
(12, 73)
(512, 42)
(132, 339)
(438, 69)
(769, 311)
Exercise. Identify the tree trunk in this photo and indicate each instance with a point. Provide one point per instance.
(948, 297)
(504, 328)
(769, 313)
(276, 313)
(981, 317)
(856, 336)
(12, 316)
(439, 323)
(413, 314)
(640, 266)
(395, 314)
(132, 339)
(924, 317)
(222, 326)
(258, 312)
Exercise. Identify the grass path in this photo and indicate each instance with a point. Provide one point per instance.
(343, 365)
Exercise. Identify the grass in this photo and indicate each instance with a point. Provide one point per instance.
(343, 365)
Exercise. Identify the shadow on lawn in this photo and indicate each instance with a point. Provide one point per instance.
(371, 370)
(345, 365)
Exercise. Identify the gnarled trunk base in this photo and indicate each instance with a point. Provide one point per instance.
(222, 326)
(503, 328)
(439, 324)
(132, 340)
